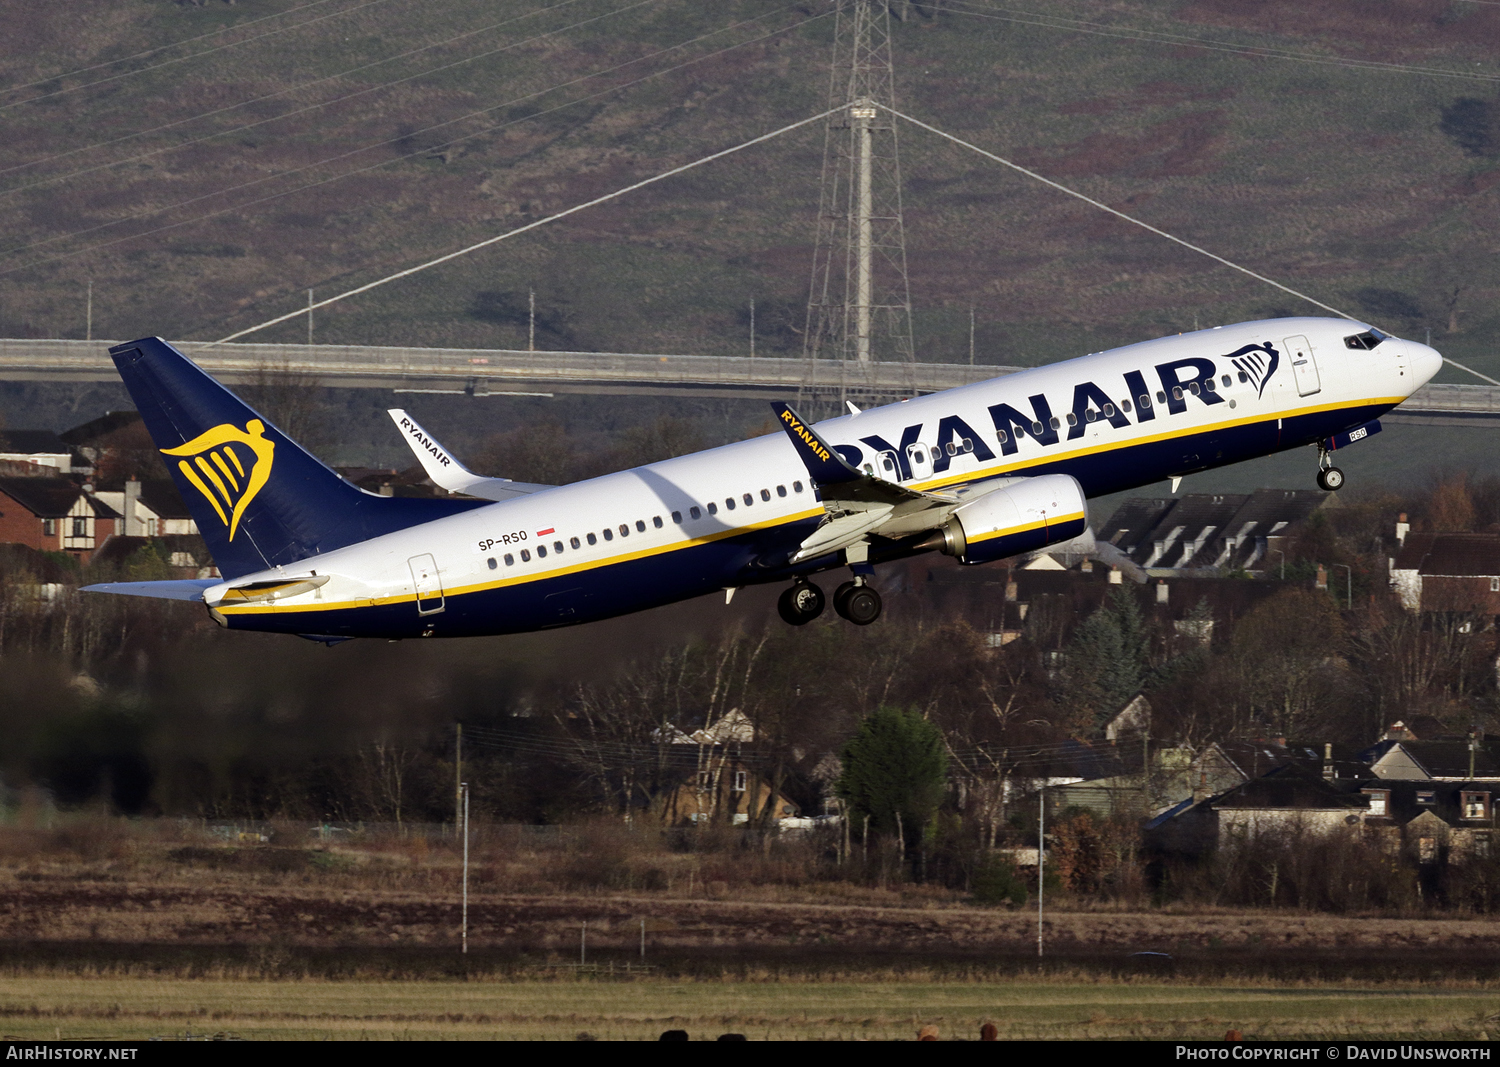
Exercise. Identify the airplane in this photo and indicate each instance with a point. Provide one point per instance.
(982, 472)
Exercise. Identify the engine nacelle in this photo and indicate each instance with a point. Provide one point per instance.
(1024, 516)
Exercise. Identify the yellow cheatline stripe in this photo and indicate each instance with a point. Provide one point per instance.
(523, 579)
(191, 475)
(1000, 469)
(1057, 521)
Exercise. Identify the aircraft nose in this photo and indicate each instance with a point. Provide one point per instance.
(1425, 363)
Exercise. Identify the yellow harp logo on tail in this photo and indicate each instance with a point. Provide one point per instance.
(228, 466)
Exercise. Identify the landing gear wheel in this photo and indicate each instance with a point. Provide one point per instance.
(858, 603)
(1331, 480)
(800, 604)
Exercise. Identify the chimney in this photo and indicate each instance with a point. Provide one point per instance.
(1328, 774)
(1162, 592)
(1402, 529)
(1322, 582)
(134, 527)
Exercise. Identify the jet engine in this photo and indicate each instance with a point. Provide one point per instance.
(1021, 517)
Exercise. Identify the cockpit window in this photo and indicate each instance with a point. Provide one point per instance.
(1367, 340)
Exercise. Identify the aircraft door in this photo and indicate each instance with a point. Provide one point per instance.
(919, 459)
(428, 584)
(887, 467)
(1304, 366)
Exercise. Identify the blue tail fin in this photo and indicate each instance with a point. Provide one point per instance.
(258, 498)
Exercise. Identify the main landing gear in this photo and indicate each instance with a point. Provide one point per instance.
(854, 600)
(1330, 478)
(801, 604)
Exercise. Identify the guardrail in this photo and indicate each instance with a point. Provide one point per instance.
(499, 371)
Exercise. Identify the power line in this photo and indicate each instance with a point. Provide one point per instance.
(1159, 232)
(1058, 22)
(182, 59)
(426, 151)
(523, 229)
(302, 110)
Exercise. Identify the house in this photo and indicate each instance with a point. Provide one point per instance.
(1433, 822)
(1437, 761)
(54, 515)
(1449, 572)
(724, 783)
(41, 448)
(1203, 531)
(151, 508)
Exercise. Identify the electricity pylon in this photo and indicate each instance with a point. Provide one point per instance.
(859, 305)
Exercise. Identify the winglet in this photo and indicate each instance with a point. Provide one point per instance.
(824, 465)
(440, 464)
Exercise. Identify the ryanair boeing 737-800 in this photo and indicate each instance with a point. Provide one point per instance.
(982, 472)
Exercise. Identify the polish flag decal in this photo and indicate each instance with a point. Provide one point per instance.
(544, 533)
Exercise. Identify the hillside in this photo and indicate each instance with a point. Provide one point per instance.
(1351, 154)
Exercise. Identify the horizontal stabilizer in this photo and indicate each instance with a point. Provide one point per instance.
(448, 473)
(186, 589)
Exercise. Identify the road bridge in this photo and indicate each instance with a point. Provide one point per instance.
(505, 372)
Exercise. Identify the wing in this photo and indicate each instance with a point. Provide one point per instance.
(448, 473)
(857, 504)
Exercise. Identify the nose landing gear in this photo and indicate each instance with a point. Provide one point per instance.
(800, 604)
(1330, 478)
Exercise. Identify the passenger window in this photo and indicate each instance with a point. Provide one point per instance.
(510, 561)
(525, 556)
(1037, 429)
(713, 509)
(1003, 436)
(677, 517)
(624, 529)
(1091, 415)
(1145, 402)
(1228, 381)
(1109, 409)
(574, 542)
(1193, 388)
(765, 494)
(557, 546)
(1161, 397)
(541, 551)
(1072, 419)
(693, 513)
(869, 469)
(796, 487)
(609, 535)
(729, 502)
(1125, 405)
(1244, 377)
(1208, 383)
(952, 449)
(1176, 392)
(968, 444)
(656, 521)
(748, 499)
(781, 490)
(593, 540)
(492, 563)
(640, 525)
(1055, 423)
(936, 455)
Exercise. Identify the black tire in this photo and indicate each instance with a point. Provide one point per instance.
(862, 605)
(1331, 480)
(841, 598)
(800, 604)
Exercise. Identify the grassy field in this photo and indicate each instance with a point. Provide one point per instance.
(869, 1009)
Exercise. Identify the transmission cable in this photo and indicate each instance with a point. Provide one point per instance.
(410, 155)
(1181, 40)
(184, 59)
(302, 110)
(1147, 226)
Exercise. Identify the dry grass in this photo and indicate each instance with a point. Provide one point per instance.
(873, 1009)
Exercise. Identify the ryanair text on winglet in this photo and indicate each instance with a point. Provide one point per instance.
(802, 432)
